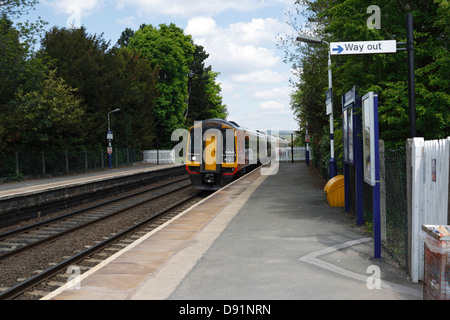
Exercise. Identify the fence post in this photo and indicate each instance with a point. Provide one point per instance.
(409, 166)
(292, 147)
(417, 158)
(101, 157)
(16, 154)
(85, 161)
(67, 162)
(382, 190)
(43, 163)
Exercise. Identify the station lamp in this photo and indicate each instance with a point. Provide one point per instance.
(332, 167)
(109, 136)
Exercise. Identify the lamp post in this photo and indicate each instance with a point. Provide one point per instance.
(332, 167)
(109, 136)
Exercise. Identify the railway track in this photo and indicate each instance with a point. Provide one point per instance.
(25, 238)
(47, 238)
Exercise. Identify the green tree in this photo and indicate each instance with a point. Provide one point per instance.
(85, 62)
(386, 74)
(125, 37)
(16, 8)
(169, 49)
(214, 97)
(107, 79)
(20, 67)
(346, 20)
(138, 95)
(205, 100)
(12, 60)
(48, 118)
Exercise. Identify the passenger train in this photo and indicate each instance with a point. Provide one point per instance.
(218, 151)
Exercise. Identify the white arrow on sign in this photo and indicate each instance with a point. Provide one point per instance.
(363, 47)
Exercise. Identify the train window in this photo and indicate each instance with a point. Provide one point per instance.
(229, 153)
(195, 145)
(247, 149)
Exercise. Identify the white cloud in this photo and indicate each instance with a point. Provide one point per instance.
(246, 56)
(129, 21)
(273, 93)
(271, 106)
(257, 31)
(201, 26)
(274, 107)
(259, 76)
(81, 7)
(230, 47)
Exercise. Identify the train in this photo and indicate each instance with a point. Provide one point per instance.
(219, 151)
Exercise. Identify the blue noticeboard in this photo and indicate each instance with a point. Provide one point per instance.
(352, 150)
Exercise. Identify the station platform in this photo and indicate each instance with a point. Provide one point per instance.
(14, 189)
(269, 236)
(29, 199)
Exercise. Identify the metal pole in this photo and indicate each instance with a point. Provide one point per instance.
(17, 162)
(332, 165)
(109, 145)
(109, 155)
(110, 138)
(376, 205)
(307, 146)
(411, 83)
(292, 148)
(67, 161)
(43, 163)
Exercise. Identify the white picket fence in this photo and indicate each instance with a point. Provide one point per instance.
(430, 179)
(285, 154)
(159, 156)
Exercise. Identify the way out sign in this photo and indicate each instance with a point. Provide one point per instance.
(363, 47)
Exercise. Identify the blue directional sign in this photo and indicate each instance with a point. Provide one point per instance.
(363, 47)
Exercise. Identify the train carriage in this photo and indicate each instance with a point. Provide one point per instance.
(220, 150)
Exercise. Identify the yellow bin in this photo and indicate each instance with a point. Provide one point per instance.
(335, 191)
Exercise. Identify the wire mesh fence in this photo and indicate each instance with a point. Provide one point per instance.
(393, 205)
(19, 165)
(395, 224)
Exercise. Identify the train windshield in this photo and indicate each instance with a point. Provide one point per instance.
(226, 146)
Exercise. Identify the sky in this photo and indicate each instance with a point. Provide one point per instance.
(239, 35)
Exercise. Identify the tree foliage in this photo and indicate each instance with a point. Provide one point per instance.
(386, 74)
(107, 79)
(188, 89)
(60, 96)
(16, 8)
(205, 100)
(20, 67)
(48, 118)
(172, 51)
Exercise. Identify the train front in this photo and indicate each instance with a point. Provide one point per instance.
(211, 158)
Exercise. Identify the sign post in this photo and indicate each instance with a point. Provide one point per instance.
(332, 166)
(109, 137)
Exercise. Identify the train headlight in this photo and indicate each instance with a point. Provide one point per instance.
(194, 158)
